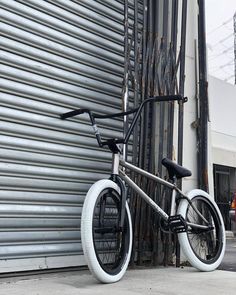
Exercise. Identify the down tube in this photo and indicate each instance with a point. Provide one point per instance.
(143, 195)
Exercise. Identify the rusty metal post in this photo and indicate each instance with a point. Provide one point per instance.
(181, 106)
(203, 99)
(126, 71)
(181, 82)
(174, 25)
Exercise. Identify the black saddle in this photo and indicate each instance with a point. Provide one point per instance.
(175, 170)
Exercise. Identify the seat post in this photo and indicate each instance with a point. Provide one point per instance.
(173, 198)
(174, 180)
(115, 163)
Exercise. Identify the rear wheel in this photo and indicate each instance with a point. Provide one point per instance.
(203, 247)
(107, 248)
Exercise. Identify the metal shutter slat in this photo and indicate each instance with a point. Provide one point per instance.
(56, 56)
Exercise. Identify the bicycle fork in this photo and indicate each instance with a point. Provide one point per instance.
(123, 191)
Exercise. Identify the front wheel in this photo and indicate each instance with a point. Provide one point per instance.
(203, 247)
(107, 247)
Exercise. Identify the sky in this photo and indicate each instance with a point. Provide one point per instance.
(220, 38)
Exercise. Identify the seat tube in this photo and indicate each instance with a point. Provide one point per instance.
(173, 201)
(115, 163)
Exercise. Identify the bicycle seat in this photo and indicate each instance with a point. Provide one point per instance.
(175, 170)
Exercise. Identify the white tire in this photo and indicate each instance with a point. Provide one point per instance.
(90, 254)
(195, 259)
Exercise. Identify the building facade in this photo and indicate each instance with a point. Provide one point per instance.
(223, 144)
(57, 56)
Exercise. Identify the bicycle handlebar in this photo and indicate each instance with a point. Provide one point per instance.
(82, 111)
(73, 113)
(154, 99)
(138, 110)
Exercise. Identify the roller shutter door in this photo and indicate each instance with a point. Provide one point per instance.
(55, 56)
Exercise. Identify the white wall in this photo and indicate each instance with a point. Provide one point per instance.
(189, 146)
(222, 99)
(222, 125)
(222, 106)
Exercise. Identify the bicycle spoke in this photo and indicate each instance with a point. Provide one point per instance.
(109, 239)
(204, 241)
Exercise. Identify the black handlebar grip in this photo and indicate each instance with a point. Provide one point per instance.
(73, 113)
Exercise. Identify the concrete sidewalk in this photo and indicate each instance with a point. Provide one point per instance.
(181, 281)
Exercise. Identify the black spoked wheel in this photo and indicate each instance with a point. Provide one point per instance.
(106, 245)
(204, 241)
(111, 243)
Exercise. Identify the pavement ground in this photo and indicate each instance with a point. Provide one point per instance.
(229, 261)
(161, 281)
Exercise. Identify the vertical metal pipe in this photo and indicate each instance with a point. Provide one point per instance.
(181, 83)
(126, 71)
(174, 25)
(165, 21)
(173, 47)
(136, 78)
(149, 155)
(163, 118)
(136, 65)
(149, 78)
(140, 205)
(143, 87)
(203, 97)
(157, 52)
(150, 40)
(163, 65)
(197, 113)
(146, 93)
(157, 16)
(156, 242)
(145, 27)
(181, 106)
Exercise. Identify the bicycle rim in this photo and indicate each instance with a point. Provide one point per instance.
(206, 245)
(111, 244)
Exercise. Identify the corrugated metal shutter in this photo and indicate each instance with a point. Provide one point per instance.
(56, 56)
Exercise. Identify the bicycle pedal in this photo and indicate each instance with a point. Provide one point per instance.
(177, 224)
